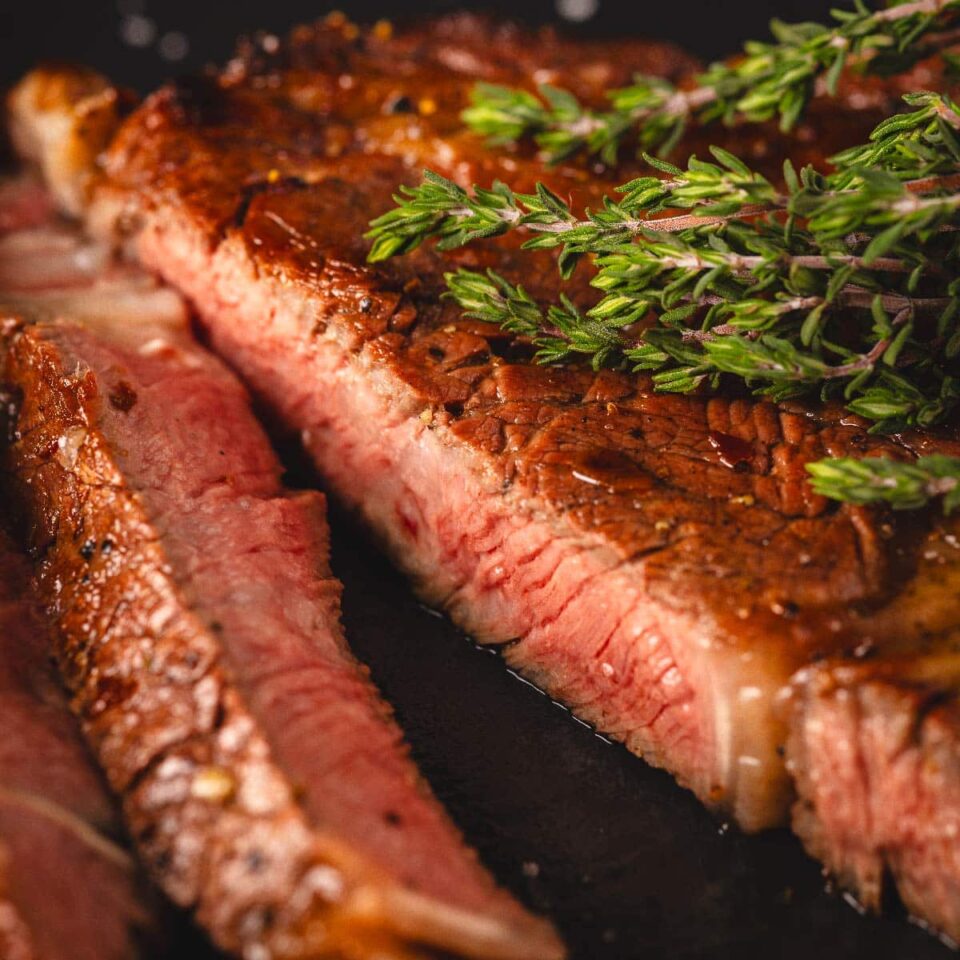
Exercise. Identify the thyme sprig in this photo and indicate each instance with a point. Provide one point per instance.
(842, 283)
(775, 79)
(903, 486)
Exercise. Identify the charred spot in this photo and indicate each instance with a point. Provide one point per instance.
(220, 716)
(88, 549)
(269, 184)
(216, 626)
(255, 861)
(113, 691)
(393, 818)
(199, 99)
(454, 408)
(400, 103)
(435, 353)
(147, 834)
(123, 397)
(107, 546)
(507, 348)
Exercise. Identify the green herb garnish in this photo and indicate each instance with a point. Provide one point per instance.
(838, 284)
(842, 285)
(775, 79)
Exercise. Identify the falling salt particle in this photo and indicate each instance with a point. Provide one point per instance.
(531, 869)
(138, 31)
(173, 46)
(577, 11)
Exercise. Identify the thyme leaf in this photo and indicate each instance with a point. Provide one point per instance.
(773, 79)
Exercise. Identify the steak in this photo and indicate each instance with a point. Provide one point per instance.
(264, 781)
(68, 891)
(657, 563)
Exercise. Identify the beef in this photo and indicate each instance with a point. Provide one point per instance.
(876, 752)
(264, 781)
(658, 563)
(68, 890)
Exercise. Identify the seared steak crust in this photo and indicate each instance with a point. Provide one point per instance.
(658, 563)
(265, 783)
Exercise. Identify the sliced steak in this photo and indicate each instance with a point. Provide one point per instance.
(657, 563)
(264, 780)
(68, 891)
(876, 752)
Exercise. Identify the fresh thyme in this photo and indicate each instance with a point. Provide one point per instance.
(903, 486)
(841, 284)
(775, 79)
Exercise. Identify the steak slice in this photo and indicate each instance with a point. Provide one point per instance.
(263, 779)
(876, 752)
(657, 563)
(68, 891)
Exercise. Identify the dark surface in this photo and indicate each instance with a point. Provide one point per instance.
(627, 863)
(90, 31)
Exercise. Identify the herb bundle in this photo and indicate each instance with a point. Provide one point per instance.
(770, 80)
(842, 285)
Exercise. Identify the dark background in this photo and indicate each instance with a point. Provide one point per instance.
(94, 31)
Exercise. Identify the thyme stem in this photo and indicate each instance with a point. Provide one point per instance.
(770, 80)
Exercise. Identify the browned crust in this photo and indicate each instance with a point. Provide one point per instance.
(214, 819)
(719, 538)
